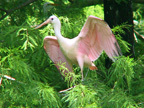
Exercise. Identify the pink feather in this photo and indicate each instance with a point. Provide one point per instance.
(97, 36)
(52, 48)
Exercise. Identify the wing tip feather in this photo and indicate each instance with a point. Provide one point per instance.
(118, 48)
(91, 16)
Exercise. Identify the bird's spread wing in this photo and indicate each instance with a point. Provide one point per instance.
(52, 48)
(95, 37)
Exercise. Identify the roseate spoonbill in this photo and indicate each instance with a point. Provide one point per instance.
(82, 50)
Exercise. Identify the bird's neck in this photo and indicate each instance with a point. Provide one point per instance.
(57, 30)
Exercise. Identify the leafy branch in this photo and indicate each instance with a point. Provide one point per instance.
(10, 11)
(95, 2)
(73, 2)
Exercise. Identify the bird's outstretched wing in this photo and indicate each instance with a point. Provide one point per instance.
(95, 37)
(52, 48)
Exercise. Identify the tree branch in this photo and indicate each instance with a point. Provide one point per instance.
(138, 1)
(8, 12)
(78, 3)
(3, 10)
(83, 3)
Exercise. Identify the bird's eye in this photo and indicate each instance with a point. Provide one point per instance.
(52, 18)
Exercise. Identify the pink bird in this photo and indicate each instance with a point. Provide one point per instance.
(82, 50)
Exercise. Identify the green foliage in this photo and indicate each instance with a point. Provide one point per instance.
(121, 73)
(119, 30)
(82, 96)
(38, 82)
(121, 1)
(138, 28)
(118, 98)
(70, 77)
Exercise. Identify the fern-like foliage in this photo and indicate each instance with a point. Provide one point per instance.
(38, 82)
(121, 72)
(82, 96)
(118, 31)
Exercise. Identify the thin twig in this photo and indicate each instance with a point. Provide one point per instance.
(67, 89)
(138, 34)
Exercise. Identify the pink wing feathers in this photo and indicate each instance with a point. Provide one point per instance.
(52, 48)
(97, 36)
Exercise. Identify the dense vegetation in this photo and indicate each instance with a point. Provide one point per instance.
(38, 82)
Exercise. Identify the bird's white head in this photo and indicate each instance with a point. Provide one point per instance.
(53, 20)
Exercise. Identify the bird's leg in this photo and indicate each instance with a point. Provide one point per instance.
(82, 74)
(81, 63)
(87, 73)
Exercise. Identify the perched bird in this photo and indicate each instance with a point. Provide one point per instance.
(82, 50)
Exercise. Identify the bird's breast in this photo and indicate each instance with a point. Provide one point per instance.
(69, 49)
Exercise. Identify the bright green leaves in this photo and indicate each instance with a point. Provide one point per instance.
(29, 40)
(70, 77)
(118, 31)
(43, 95)
(23, 37)
(122, 72)
(82, 96)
